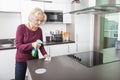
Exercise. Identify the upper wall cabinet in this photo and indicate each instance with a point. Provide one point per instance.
(53, 6)
(27, 6)
(67, 17)
(10, 5)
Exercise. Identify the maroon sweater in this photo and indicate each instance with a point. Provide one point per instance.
(24, 40)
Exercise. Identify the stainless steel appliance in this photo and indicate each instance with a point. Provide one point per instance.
(54, 16)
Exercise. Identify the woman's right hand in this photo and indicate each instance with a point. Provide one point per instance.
(36, 45)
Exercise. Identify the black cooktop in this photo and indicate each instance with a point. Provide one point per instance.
(93, 58)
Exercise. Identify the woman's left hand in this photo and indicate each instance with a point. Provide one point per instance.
(47, 57)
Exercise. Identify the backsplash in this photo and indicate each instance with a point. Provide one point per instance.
(46, 28)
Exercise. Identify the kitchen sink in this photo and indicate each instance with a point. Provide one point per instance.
(7, 45)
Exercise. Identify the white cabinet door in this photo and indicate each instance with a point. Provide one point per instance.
(57, 50)
(10, 5)
(67, 17)
(72, 48)
(61, 49)
(27, 6)
(84, 26)
(53, 6)
(83, 47)
(7, 64)
(82, 34)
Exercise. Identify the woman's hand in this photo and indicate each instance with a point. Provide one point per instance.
(36, 45)
(47, 57)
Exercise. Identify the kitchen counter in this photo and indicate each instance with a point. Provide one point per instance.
(46, 44)
(56, 43)
(65, 68)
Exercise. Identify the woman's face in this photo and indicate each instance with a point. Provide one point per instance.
(37, 21)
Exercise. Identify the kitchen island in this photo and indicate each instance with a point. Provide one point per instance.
(65, 68)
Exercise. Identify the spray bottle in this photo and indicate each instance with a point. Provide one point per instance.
(35, 50)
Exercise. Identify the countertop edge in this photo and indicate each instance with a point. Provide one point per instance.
(46, 44)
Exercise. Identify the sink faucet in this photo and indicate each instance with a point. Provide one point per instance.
(11, 41)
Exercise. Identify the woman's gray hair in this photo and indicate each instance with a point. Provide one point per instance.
(36, 12)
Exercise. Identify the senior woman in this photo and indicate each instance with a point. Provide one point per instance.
(26, 36)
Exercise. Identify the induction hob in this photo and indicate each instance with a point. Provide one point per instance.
(93, 58)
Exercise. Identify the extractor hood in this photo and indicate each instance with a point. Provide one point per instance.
(99, 9)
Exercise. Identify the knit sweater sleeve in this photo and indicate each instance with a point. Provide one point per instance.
(19, 40)
(42, 49)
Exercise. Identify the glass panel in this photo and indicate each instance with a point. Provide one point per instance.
(108, 25)
(102, 2)
(99, 9)
(109, 30)
(117, 1)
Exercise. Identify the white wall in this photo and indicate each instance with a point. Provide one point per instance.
(8, 24)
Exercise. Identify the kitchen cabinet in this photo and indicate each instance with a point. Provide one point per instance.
(61, 49)
(7, 62)
(67, 17)
(82, 29)
(53, 6)
(57, 50)
(47, 48)
(10, 5)
(65, 7)
(83, 47)
(83, 33)
(59, 5)
(27, 6)
(72, 48)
